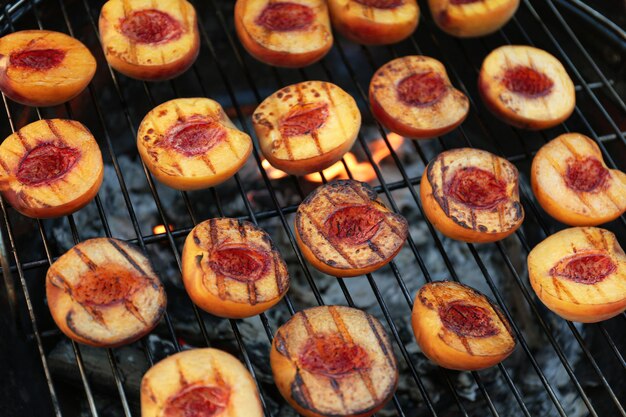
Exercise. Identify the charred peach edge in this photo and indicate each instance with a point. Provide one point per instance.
(479, 25)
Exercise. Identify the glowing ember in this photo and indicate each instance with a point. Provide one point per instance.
(159, 229)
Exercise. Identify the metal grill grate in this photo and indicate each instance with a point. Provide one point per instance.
(113, 106)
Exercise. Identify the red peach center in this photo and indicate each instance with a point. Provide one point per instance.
(477, 188)
(197, 401)
(286, 17)
(45, 163)
(467, 320)
(195, 137)
(304, 119)
(354, 224)
(585, 268)
(332, 356)
(381, 4)
(421, 89)
(37, 59)
(527, 81)
(151, 26)
(587, 174)
(106, 286)
(239, 262)
(458, 2)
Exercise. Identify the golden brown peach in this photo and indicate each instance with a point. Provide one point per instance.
(44, 68)
(471, 18)
(580, 274)
(199, 383)
(459, 328)
(149, 40)
(50, 168)
(412, 96)
(526, 87)
(306, 127)
(374, 22)
(284, 33)
(572, 183)
(190, 144)
(103, 292)
(334, 361)
(472, 195)
(344, 230)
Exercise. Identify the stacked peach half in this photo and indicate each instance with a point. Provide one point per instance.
(471, 18)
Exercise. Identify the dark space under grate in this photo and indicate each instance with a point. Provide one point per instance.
(559, 368)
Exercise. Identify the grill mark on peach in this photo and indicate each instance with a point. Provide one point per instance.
(134, 310)
(337, 248)
(181, 375)
(219, 278)
(379, 339)
(300, 392)
(376, 249)
(4, 165)
(128, 9)
(30, 200)
(543, 98)
(560, 171)
(85, 259)
(497, 173)
(147, 389)
(278, 276)
(559, 287)
(314, 134)
(23, 140)
(207, 161)
(128, 257)
(332, 107)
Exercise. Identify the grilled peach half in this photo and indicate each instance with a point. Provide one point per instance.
(306, 127)
(526, 87)
(344, 230)
(334, 361)
(190, 144)
(289, 34)
(472, 18)
(199, 383)
(472, 195)
(573, 185)
(149, 41)
(232, 269)
(103, 292)
(459, 328)
(50, 168)
(374, 22)
(413, 97)
(580, 274)
(44, 68)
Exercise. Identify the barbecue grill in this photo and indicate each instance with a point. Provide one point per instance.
(559, 368)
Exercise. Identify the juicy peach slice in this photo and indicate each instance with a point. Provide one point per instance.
(190, 144)
(526, 87)
(44, 68)
(103, 292)
(149, 40)
(284, 33)
(412, 96)
(374, 22)
(344, 230)
(580, 274)
(572, 183)
(199, 383)
(306, 127)
(471, 18)
(472, 195)
(334, 361)
(50, 168)
(459, 328)
(232, 268)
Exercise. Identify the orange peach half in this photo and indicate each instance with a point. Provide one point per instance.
(44, 68)
(472, 18)
(526, 87)
(284, 33)
(149, 40)
(374, 22)
(190, 144)
(413, 97)
(459, 328)
(573, 185)
(472, 195)
(580, 274)
(199, 383)
(306, 127)
(50, 168)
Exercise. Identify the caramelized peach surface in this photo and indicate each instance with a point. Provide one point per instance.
(459, 328)
(232, 269)
(149, 40)
(103, 292)
(344, 230)
(44, 68)
(190, 144)
(50, 168)
(413, 96)
(334, 360)
(374, 22)
(526, 87)
(306, 127)
(284, 33)
(199, 383)
(471, 18)
(580, 274)
(573, 184)
(472, 195)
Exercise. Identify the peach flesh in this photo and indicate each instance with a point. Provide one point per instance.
(458, 2)
(467, 320)
(239, 263)
(197, 401)
(150, 26)
(45, 163)
(286, 17)
(381, 4)
(37, 59)
(477, 188)
(332, 356)
(527, 81)
(584, 268)
(304, 119)
(353, 224)
(194, 138)
(586, 174)
(106, 286)
(421, 89)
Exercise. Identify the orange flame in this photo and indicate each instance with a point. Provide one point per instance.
(159, 229)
